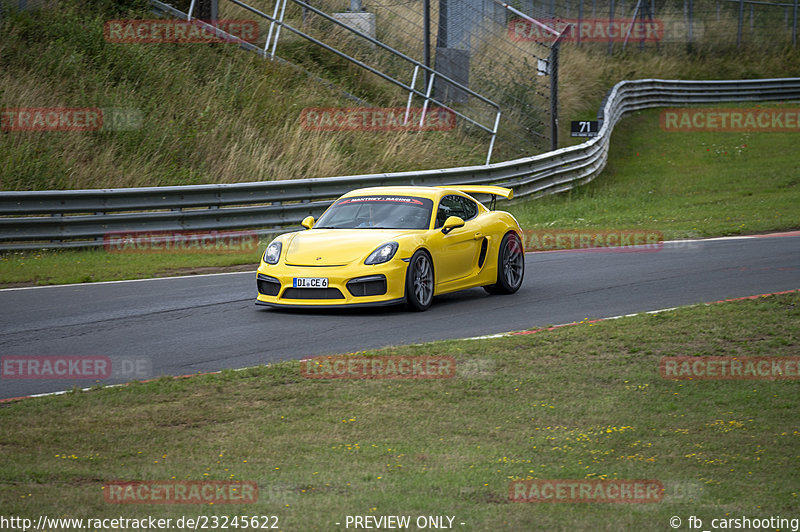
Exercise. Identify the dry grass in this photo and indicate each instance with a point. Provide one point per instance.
(213, 114)
(210, 114)
(587, 73)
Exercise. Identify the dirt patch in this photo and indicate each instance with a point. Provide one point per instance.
(200, 270)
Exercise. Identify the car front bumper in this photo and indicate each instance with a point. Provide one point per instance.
(348, 285)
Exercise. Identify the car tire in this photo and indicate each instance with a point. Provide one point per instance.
(510, 266)
(419, 282)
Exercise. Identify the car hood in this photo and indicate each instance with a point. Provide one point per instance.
(332, 247)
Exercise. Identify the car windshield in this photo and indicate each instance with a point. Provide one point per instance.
(377, 212)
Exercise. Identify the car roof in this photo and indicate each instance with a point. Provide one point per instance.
(420, 191)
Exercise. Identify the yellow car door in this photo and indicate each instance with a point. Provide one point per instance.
(455, 252)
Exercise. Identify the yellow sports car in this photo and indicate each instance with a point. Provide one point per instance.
(391, 245)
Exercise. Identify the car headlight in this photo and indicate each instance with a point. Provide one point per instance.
(382, 253)
(273, 252)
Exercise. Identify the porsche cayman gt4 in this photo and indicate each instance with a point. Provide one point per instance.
(392, 245)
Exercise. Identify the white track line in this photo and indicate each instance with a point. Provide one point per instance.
(519, 333)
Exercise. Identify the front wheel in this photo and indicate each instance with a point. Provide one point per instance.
(419, 282)
(510, 266)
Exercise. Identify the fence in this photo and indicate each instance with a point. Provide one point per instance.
(488, 48)
(80, 218)
(712, 23)
(465, 61)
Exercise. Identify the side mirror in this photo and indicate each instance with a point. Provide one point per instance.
(452, 222)
(308, 222)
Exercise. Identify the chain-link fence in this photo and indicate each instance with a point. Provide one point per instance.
(492, 49)
(714, 24)
(497, 56)
(467, 42)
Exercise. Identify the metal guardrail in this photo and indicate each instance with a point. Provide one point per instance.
(81, 218)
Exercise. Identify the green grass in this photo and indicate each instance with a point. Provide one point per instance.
(682, 184)
(86, 266)
(580, 402)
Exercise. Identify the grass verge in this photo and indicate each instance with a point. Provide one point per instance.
(682, 184)
(32, 268)
(581, 402)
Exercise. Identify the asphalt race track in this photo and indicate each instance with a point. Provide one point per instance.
(178, 326)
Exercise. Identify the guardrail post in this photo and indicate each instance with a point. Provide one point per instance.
(100, 238)
(56, 242)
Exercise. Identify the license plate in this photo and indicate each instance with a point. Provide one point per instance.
(310, 282)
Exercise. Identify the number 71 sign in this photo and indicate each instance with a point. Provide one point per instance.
(585, 128)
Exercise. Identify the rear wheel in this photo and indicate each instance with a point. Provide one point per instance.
(419, 282)
(510, 266)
